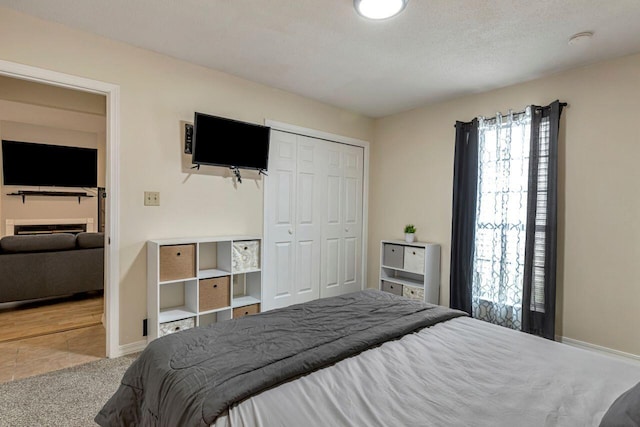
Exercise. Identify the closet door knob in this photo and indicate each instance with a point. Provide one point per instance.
(346, 229)
(290, 231)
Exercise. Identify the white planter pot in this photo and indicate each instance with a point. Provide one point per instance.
(409, 237)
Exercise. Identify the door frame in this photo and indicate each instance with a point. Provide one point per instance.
(112, 181)
(331, 137)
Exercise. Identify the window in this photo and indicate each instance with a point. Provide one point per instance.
(501, 217)
(504, 222)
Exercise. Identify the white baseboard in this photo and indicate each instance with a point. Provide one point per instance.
(597, 348)
(130, 348)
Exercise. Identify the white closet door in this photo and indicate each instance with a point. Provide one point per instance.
(330, 277)
(352, 217)
(313, 220)
(292, 237)
(308, 220)
(342, 221)
(279, 252)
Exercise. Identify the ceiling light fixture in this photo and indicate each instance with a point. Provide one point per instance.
(580, 38)
(379, 9)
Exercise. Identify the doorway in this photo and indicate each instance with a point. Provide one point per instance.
(111, 225)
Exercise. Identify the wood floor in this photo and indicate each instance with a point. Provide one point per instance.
(48, 336)
(37, 319)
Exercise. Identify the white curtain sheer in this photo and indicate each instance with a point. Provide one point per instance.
(501, 218)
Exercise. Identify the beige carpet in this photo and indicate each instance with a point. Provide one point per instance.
(70, 397)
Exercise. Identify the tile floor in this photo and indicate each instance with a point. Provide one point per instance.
(34, 356)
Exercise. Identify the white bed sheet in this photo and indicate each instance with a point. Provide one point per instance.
(462, 372)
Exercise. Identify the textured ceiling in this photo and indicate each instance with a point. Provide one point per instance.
(434, 50)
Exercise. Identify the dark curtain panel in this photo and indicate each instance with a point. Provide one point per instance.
(465, 183)
(539, 290)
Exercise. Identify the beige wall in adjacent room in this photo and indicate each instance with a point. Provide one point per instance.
(28, 92)
(157, 93)
(599, 191)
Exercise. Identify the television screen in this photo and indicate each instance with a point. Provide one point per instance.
(224, 142)
(25, 163)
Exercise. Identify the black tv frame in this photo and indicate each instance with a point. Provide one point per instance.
(194, 143)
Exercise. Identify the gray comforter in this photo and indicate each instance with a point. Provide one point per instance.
(189, 378)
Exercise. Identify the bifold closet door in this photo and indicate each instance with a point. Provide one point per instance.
(292, 221)
(341, 266)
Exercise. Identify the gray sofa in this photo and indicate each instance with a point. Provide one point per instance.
(50, 265)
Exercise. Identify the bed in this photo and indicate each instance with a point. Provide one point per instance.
(370, 359)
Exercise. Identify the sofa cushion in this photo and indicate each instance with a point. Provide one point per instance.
(38, 243)
(90, 240)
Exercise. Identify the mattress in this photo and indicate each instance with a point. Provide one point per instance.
(191, 377)
(459, 372)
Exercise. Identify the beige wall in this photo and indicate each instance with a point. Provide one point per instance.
(28, 92)
(599, 181)
(157, 92)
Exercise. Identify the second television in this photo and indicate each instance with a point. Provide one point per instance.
(219, 141)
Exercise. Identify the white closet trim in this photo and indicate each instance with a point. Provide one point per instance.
(314, 133)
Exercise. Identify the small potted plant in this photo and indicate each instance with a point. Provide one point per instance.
(409, 233)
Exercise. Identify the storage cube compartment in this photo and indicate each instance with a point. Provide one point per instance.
(177, 300)
(177, 262)
(214, 293)
(246, 289)
(176, 326)
(246, 255)
(392, 288)
(393, 256)
(413, 293)
(246, 310)
(414, 259)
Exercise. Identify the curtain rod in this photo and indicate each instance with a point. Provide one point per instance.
(562, 104)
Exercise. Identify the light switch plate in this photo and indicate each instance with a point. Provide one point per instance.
(152, 198)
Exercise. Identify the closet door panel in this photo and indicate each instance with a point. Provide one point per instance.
(350, 261)
(308, 224)
(331, 276)
(332, 263)
(306, 282)
(284, 195)
(333, 200)
(352, 218)
(283, 271)
(280, 214)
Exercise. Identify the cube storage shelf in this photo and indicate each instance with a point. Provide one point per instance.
(410, 269)
(198, 281)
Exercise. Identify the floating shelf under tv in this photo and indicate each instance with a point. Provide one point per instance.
(25, 193)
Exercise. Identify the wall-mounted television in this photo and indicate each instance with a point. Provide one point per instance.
(219, 141)
(26, 163)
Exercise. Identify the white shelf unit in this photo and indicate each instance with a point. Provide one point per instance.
(179, 271)
(410, 269)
